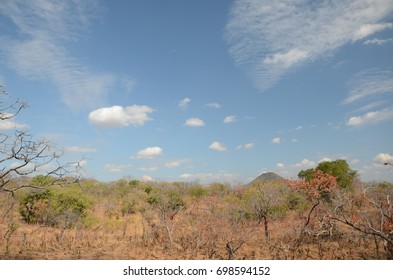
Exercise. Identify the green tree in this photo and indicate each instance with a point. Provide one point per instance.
(55, 206)
(338, 168)
(263, 199)
(167, 204)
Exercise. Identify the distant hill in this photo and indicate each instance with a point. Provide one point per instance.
(267, 176)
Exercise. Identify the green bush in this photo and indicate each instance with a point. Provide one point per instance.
(296, 201)
(197, 191)
(55, 206)
(128, 207)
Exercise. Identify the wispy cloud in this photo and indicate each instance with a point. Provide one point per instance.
(269, 38)
(369, 106)
(116, 168)
(375, 87)
(368, 84)
(80, 149)
(149, 169)
(173, 164)
(183, 104)
(47, 29)
(214, 105)
(247, 146)
(118, 116)
(229, 119)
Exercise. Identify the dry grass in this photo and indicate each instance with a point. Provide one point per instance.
(201, 231)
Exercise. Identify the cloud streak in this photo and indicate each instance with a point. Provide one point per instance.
(47, 28)
(371, 83)
(375, 87)
(270, 38)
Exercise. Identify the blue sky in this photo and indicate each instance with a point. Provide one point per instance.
(204, 90)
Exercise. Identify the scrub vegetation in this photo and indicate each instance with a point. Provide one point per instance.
(136, 220)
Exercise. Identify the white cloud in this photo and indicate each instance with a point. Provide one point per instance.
(49, 27)
(248, 146)
(370, 118)
(325, 159)
(269, 38)
(368, 84)
(186, 176)
(194, 122)
(149, 153)
(230, 119)
(305, 163)
(280, 165)
(12, 125)
(146, 178)
(376, 170)
(217, 146)
(82, 163)
(118, 116)
(80, 149)
(286, 60)
(183, 104)
(276, 140)
(294, 140)
(213, 105)
(383, 158)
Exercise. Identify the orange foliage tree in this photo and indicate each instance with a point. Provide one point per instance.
(318, 188)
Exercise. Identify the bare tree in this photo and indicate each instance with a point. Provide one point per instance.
(22, 155)
(370, 213)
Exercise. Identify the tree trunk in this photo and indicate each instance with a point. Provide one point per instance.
(309, 218)
(265, 222)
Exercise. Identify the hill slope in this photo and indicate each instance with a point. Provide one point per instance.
(267, 176)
